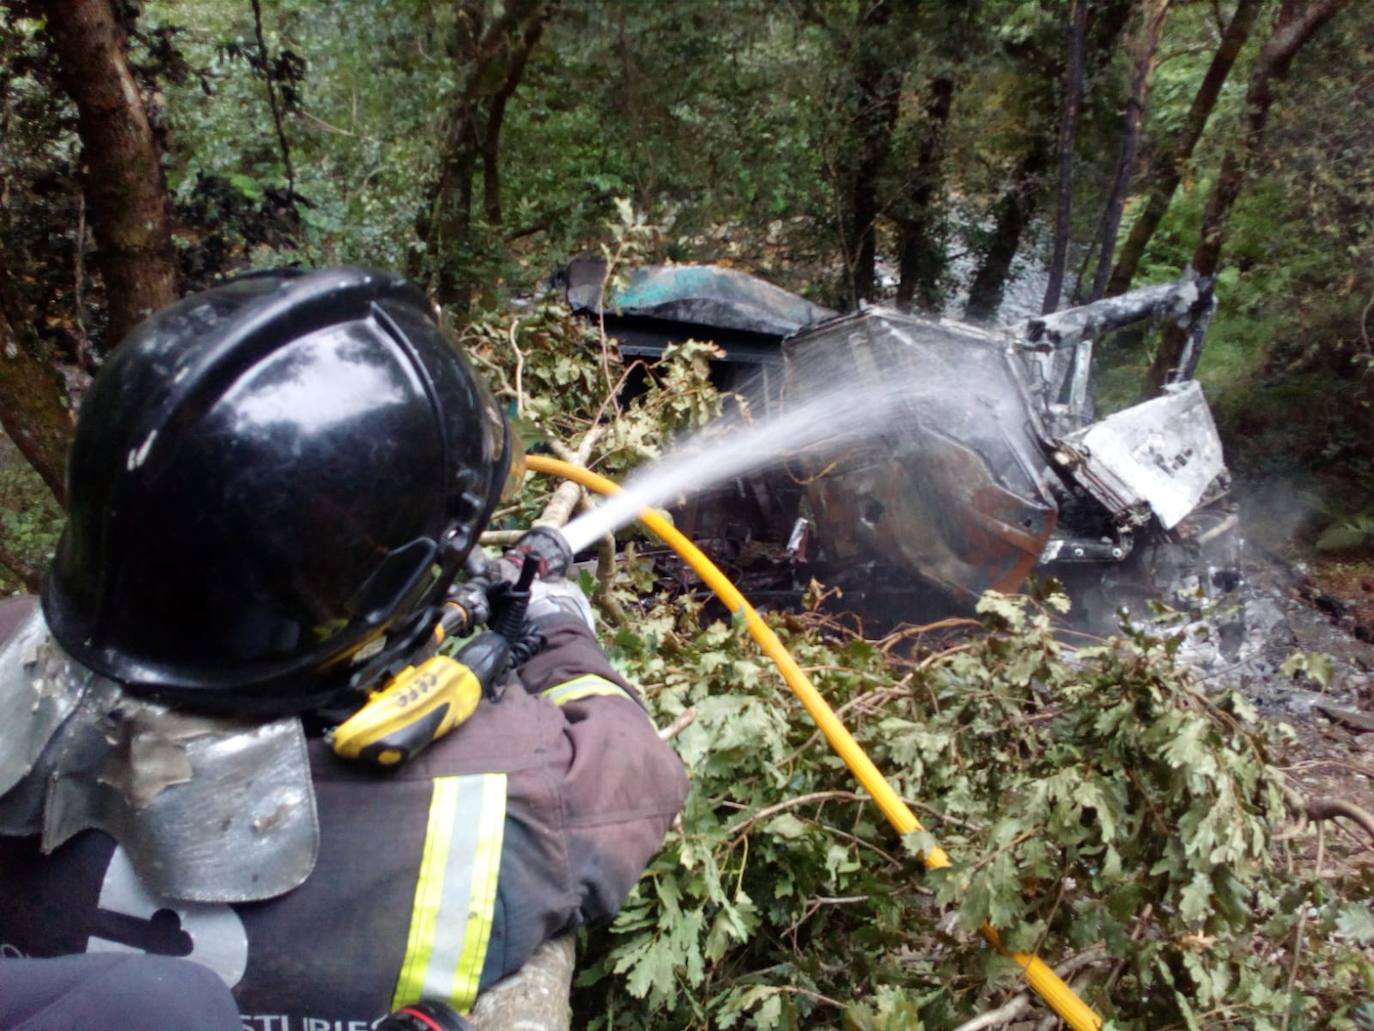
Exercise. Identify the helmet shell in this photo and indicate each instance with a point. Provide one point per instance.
(270, 485)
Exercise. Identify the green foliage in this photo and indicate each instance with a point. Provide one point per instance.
(30, 520)
(1090, 799)
(1315, 665)
(1357, 531)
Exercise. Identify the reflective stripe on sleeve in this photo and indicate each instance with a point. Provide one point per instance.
(583, 687)
(455, 892)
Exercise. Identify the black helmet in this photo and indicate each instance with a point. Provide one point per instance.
(271, 486)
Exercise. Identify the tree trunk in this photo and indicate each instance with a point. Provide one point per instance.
(491, 139)
(1144, 47)
(472, 139)
(877, 89)
(27, 575)
(1168, 163)
(33, 412)
(921, 254)
(130, 212)
(1011, 216)
(1075, 31)
(1295, 27)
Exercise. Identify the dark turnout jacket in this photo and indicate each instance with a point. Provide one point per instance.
(536, 815)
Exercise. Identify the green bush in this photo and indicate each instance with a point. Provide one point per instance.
(1100, 809)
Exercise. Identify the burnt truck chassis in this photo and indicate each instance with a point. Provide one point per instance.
(995, 470)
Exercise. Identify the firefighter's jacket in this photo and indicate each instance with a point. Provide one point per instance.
(536, 815)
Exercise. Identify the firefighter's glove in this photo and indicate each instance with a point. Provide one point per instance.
(553, 597)
(554, 601)
(546, 548)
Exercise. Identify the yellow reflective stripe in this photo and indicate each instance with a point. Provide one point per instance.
(429, 887)
(455, 892)
(482, 902)
(583, 687)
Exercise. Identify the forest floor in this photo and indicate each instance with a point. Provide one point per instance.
(1331, 755)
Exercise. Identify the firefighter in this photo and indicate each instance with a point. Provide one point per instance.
(272, 488)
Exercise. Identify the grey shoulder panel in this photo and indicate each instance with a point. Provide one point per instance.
(209, 809)
(39, 688)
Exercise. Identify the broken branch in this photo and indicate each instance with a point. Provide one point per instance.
(683, 720)
(1316, 810)
(566, 496)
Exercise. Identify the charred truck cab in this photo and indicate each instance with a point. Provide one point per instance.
(994, 468)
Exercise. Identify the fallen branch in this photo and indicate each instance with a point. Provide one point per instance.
(683, 720)
(605, 572)
(1356, 721)
(1316, 810)
(519, 370)
(742, 828)
(1003, 1014)
(1017, 1005)
(567, 494)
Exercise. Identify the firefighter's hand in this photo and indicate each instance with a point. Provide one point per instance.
(553, 597)
(546, 548)
(556, 600)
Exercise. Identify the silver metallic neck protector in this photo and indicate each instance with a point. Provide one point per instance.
(210, 809)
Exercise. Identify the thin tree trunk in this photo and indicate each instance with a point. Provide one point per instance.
(33, 412)
(1298, 22)
(272, 101)
(1168, 163)
(445, 222)
(1011, 216)
(921, 255)
(1145, 46)
(491, 139)
(878, 91)
(1075, 31)
(130, 211)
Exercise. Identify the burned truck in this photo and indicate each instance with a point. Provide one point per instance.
(993, 468)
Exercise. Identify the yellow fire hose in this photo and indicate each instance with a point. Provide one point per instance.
(1044, 981)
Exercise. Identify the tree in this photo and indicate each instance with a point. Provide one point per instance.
(493, 51)
(1170, 161)
(32, 411)
(126, 194)
(1144, 46)
(876, 89)
(1296, 24)
(1039, 63)
(1010, 216)
(920, 241)
(1075, 32)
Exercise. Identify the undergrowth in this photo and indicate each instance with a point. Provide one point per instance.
(30, 523)
(1100, 809)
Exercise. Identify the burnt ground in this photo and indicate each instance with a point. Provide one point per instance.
(1328, 606)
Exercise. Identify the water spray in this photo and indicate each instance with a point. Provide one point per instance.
(833, 412)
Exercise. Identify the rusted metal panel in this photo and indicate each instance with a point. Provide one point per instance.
(954, 487)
